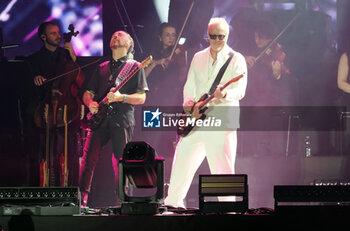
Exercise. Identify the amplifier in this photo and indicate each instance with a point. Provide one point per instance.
(39, 200)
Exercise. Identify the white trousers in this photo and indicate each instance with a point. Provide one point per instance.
(218, 146)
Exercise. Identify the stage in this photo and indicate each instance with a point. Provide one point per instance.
(184, 221)
(304, 147)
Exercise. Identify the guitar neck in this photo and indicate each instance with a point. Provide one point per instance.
(134, 69)
(47, 138)
(65, 146)
(47, 144)
(207, 100)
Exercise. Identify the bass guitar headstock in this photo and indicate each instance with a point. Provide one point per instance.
(146, 62)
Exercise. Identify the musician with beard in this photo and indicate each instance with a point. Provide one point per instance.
(43, 64)
(118, 124)
(51, 53)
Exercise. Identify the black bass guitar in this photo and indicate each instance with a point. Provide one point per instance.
(95, 120)
(204, 100)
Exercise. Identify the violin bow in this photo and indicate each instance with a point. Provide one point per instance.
(182, 29)
(278, 36)
(71, 71)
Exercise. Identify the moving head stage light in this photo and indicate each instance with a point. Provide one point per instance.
(144, 170)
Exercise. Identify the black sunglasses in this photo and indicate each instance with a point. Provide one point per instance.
(214, 36)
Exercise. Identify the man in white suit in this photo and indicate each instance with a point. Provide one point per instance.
(219, 146)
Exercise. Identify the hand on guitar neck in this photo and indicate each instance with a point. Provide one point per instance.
(191, 108)
(220, 92)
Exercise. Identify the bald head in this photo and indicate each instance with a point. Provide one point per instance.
(121, 39)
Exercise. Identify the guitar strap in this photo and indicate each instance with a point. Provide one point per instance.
(220, 74)
(125, 71)
(117, 75)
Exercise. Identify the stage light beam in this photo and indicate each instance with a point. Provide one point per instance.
(162, 7)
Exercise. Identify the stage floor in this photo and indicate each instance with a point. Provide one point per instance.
(180, 222)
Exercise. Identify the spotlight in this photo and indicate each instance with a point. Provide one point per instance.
(143, 169)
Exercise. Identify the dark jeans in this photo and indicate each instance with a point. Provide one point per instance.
(95, 140)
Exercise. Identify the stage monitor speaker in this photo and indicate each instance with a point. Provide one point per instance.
(232, 187)
(39, 200)
(301, 199)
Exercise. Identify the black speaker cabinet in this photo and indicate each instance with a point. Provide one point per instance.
(312, 199)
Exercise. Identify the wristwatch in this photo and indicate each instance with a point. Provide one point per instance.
(125, 97)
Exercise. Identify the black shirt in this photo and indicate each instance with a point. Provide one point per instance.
(43, 62)
(103, 80)
(48, 64)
